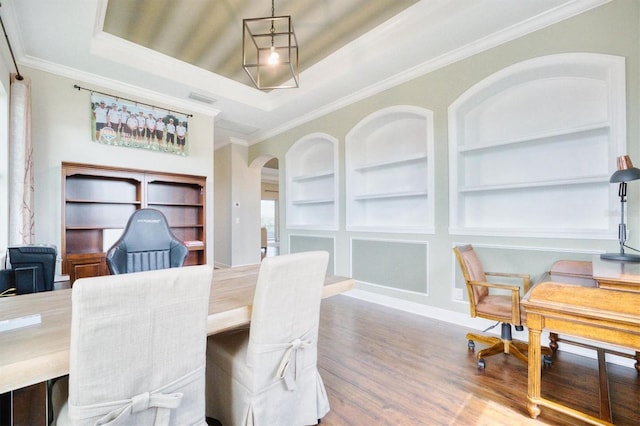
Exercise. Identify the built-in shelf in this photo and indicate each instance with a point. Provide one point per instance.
(97, 204)
(538, 184)
(320, 175)
(543, 174)
(70, 200)
(316, 201)
(419, 157)
(312, 185)
(380, 196)
(542, 137)
(389, 171)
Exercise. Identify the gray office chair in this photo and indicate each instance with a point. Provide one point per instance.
(146, 244)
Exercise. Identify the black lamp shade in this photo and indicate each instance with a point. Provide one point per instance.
(626, 172)
(626, 175)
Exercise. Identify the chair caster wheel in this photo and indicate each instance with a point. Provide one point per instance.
(481, 364)
(547, 361)
(471, 345)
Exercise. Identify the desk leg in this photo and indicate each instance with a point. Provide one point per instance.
(30, 405)
(605, 399)
(533, 393)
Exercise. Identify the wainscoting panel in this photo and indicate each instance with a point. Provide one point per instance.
(300, 243)
(400, 265)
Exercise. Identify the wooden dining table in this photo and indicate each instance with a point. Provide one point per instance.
(36, 353)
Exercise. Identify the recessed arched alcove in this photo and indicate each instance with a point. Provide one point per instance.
(531, 148)
(389, 171)
(311, 183)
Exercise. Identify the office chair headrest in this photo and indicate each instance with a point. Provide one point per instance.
(147, 230)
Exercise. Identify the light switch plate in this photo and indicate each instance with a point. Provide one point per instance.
(457, 293)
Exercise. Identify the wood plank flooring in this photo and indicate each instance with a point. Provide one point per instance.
(382, 366)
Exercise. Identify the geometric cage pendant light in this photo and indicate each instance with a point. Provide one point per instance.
(270, 51)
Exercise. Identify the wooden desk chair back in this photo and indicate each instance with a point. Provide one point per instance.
(484, 303)
(578, 272)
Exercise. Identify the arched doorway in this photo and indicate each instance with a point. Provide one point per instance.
(269, 205)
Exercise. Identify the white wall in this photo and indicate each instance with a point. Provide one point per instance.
(61, 132)
(222, 222)
(245, 210)
(238, 207)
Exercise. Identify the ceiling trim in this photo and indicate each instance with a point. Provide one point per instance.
(115, 49)
(168, 102)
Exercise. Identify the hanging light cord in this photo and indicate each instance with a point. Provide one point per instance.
(18, 76)
(273, 14)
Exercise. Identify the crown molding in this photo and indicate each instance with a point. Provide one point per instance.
(118, 85)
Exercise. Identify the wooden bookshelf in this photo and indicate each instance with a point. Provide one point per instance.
(97, 202)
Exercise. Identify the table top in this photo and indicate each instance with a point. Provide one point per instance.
(598, 314)
(583, 301)
(37, 353)
(616, 270)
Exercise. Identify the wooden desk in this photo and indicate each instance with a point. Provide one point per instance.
(616, 275)
(599, 314)
(37, 353)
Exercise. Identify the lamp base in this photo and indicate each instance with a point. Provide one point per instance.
(624, 257)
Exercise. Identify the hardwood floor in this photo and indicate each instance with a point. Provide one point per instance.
(382, 366)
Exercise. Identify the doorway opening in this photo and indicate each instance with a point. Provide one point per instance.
(269, 209)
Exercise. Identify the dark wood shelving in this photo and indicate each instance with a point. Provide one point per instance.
(97, 199)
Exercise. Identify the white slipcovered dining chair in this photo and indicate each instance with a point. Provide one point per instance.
(138, 349)
(267, 375)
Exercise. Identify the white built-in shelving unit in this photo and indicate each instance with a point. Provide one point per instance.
(311, 166)
(531, 148)
(389, 171)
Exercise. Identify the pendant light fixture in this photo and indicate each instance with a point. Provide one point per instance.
(270, 51)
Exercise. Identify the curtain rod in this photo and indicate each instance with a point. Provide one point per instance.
(118, 98)
(18, 75)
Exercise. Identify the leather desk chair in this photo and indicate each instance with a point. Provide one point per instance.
(146, 244)
(578, 272)
(504, 308)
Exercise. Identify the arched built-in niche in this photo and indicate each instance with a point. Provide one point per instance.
(389, 171)
(531, 148)
(311, 166)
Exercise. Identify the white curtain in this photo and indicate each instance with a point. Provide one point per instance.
(21, 226)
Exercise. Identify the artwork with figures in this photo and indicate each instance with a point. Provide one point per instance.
(114, 122)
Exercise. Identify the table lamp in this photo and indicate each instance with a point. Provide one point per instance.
(625, 173)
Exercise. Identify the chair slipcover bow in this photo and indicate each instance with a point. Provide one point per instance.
(163, 399)
(292, 358)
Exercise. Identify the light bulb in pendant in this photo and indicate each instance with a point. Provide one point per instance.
(274, 58)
